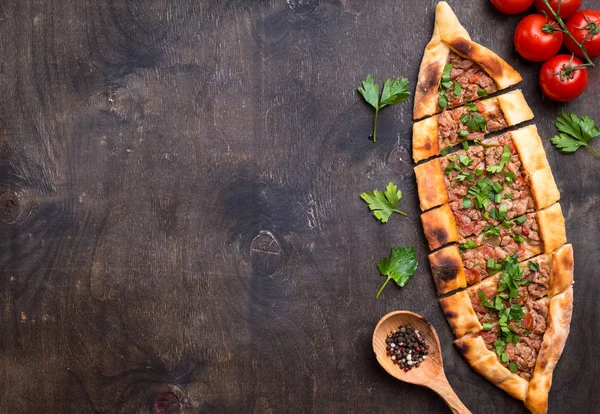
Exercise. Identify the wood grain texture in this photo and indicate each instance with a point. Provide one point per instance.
(185, 178)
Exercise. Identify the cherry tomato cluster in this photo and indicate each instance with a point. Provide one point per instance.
(540, 36)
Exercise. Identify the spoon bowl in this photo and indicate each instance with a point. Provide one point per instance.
(430, 373)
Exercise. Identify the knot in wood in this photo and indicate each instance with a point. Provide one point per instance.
(303, 6)
(266, 253)
(10, 207)
(399, 161)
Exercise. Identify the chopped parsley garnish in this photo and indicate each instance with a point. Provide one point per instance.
(457, 89)
(472, 107)
(519, 239)
(465, 144)
(465, 160)
(534, 266)
(505, 304)
(464, 176)
(470, 244)
(467, 203)
(491, 231)
(445, 84)
(484, 301)
(507, 224)
(504, 159)
(451, 167)
(481, 93)
(509, 176)
(486, 326)
(445, 150)
(513, 367)
(520, 220)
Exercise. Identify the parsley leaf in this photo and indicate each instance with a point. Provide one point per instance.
(575, 132)
(370, 91)
(394, 92)
(383, 205)
(400, 267)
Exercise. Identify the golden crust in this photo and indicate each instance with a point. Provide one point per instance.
(447, 269)
(557, 331)
(500, 71)
(486, 363)
(552, 227)
(485, 284)
(514, 107)
(460, 314)
(432, 66)
(439, 226)
(425, 139)
(448, 34)
(430, 184)
(529, 146)
(561, 276)
(543, 188)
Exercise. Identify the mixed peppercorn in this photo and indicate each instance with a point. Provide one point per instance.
(406, 347)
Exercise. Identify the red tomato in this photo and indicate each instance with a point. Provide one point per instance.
(512, 6)
(567, 7)
(532, 42)
(560, 83)
(584, 24)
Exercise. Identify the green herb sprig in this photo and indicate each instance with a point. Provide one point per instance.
(394, 92)
(575, 132)
(383, 205)
(400, 267)
(505, 304)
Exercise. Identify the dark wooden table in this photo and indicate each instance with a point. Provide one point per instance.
(180, 189)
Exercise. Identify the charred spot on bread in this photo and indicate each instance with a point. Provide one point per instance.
(462, 46)
(450, 314)
(440, 235)
(462, 347)
(445, 274)
(431, 77)
(465, 48)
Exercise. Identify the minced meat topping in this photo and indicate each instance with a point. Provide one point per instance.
(513, 321)
(452, 129)
(473, 82)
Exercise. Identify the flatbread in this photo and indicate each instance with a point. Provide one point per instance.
(458, 308)
(512, 105)
(447, 269)
(485, 362)
(449, 34)
(524, 202)
(552, 227)
(543, 187)
(430, 184)
(555, 337)
(439, 226)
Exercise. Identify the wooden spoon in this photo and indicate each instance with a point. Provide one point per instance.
(430, 373)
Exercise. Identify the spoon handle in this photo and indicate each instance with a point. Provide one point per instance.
(442, 387)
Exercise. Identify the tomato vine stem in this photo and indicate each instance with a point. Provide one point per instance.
(566, 31)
